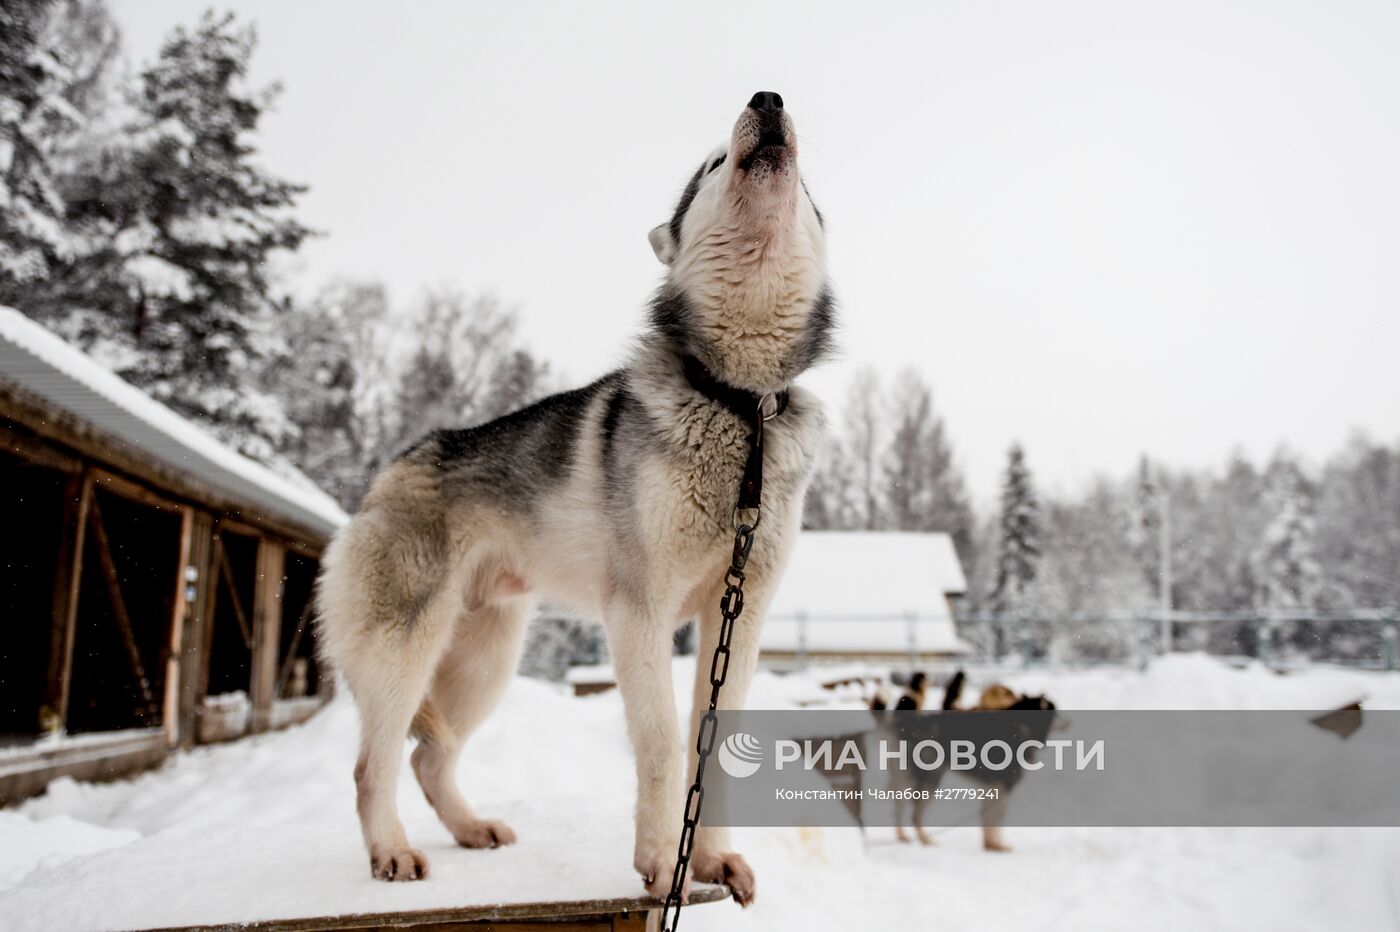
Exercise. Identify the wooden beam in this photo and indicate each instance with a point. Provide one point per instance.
(68, 579)
(170, 715)
(226, 570)
(267, 627)
(36, 451)
(114, 594)
(284, 673)
(198, 581)
(109, 481)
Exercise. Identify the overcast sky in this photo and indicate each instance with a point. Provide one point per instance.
(1103, 229)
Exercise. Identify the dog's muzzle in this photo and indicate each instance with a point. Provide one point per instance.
(772, 145)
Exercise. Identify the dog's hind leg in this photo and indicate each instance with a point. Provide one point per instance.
(470, 679)
(387, 603)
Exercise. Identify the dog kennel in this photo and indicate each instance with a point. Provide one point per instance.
(155, 586)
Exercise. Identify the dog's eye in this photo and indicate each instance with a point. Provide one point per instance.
(718, 162)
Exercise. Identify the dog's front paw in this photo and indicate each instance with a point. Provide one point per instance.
(727, 868)
(484, 833)
(397, 864)
(657, 865)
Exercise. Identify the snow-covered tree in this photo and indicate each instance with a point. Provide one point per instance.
(1358, 527)
(1145, 530)
(54, 61)
(329, 382)
(1287, 574)
(848, 488)
(466, 366)
(360, 381)
(1089, 581)
(173, 287)
(1019, 542)
(924, 491)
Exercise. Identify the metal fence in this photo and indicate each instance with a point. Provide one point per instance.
(1365, 638)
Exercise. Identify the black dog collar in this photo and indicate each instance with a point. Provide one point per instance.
(741, 401)
(748, 406)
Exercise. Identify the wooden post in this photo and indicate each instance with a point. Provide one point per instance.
(267, 628)
(170, 706)
(67, 583)
(199, 582)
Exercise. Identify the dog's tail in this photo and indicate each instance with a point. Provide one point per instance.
(954, 691)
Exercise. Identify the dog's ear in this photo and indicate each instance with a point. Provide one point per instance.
(662, 243)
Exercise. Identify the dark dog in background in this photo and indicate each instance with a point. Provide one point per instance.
(1017, 728)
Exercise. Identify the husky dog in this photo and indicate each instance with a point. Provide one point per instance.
(617, 498)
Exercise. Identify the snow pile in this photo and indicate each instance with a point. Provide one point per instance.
(266, 827)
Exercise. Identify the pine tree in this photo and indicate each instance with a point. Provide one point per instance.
(174, 290)
(1286, 571)
(1358, 527)
(37, 117)
(1019, 546)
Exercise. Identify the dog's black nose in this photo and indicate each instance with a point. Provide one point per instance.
(766, 102)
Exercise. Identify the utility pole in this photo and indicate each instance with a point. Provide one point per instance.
(1164, 568)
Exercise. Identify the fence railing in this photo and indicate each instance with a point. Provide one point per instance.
(1366, 638)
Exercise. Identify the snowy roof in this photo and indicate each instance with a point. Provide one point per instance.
(842, 573)
(41, 363)
(854, 591)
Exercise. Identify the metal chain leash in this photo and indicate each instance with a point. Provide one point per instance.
(730, 607)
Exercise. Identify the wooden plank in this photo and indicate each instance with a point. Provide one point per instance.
(267, 627)
(109, 481)
(636, 921)
(552, 916)
(170, 715)
(234, 596)
(114, 593)
(67, 585)
(586, 924)
(284, 673)
(216, 557)
(36, 451)
(27, 772)
(198, 581)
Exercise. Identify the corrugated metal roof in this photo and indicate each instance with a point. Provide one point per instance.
(41, 363)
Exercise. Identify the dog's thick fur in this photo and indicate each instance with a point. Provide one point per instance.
(617, 498)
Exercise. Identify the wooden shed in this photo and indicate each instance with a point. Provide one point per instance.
(155, 585)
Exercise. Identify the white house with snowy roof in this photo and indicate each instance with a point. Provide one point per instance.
(867, 594)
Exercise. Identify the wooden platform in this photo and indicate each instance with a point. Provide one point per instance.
(624, 914)
(254, 870)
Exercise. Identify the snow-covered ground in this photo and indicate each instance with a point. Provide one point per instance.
(267, 826)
